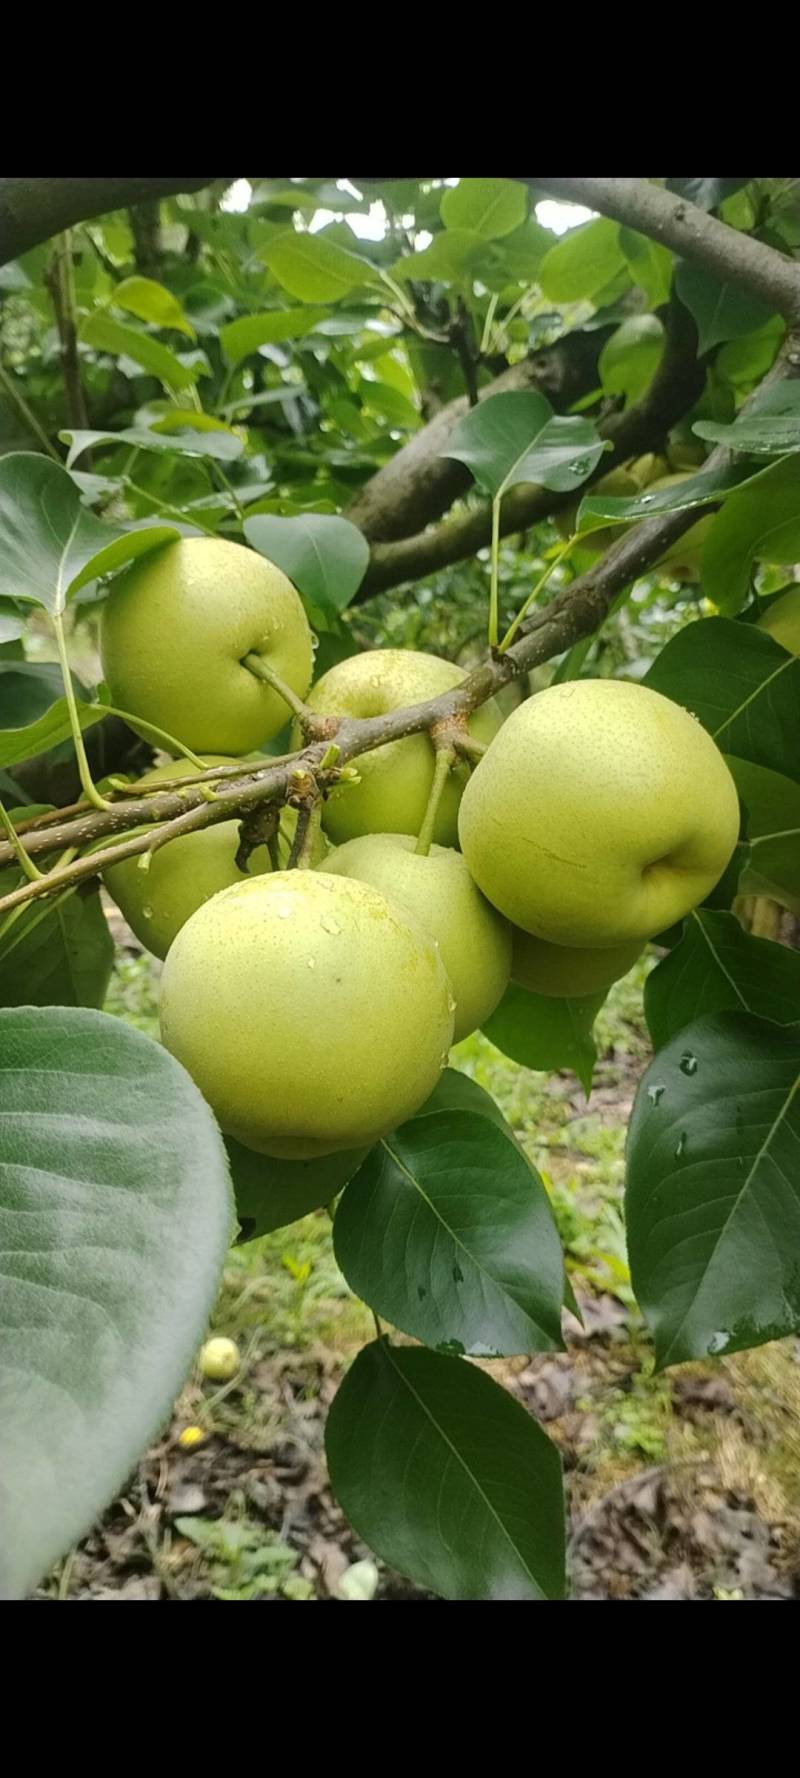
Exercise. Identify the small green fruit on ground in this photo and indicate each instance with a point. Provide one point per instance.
(601, 814)
(184, 874)
(565, 971)
(395, 779)
(175, 629)
(219, 1360)
(474, 940)
(782, 620)
(312, 1013)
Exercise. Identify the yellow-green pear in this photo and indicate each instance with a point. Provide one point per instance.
(568, 971)
(782, 620)
(474, 940)
(601, 813)
(313, 1013)
(157, 902)
(395, 779)
(175, 630)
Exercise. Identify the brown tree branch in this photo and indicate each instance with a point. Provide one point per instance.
(675, 387)
(31, 210)
(687, 230)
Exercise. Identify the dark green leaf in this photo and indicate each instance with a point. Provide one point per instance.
(488, 207)
(743, 686)
(696, 490)
(326, 557)
(772, 824)
(720, 311)
(651, 265)
(270, 1193)
(713, 1192)
(717, 966)
(47, 731)
(447, 1231)
(446, 1477)
(54, 953)
(544, 1033)
(12, 623)
(760, 522)
(516, 437)
(115, 1215)
(708, 194)
(49, 544)
(583, 262)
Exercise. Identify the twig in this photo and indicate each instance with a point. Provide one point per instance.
(16, 396)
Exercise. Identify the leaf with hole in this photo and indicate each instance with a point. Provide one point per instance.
(713, 1189)
(50, 545)
(115, 1215)
(447, 1231)
(544, 1033)
(446, 1477)
(516, 437)
(742, 685)
(718, 967)
(323, 555)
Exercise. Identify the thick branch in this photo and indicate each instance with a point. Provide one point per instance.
(418, 484)
(731, 256)
(31, 210)
(674, 388)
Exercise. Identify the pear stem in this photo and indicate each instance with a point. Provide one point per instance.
(88, 785)
(260, 670)
(542, 581)
(445, 759)
(309, 820)
(494, 619)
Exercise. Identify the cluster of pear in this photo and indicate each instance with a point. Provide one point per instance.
(315, 1008)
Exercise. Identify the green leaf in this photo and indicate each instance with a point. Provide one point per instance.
(315, 270)
(12, 624)
(651, 265)
(27, 690)
(760, 522)
(628, 509)
(583, 262)
(488, 207)
(380, 398)
(47, 731)
(449, 258)
(719, 311)
(324, 556)
(270, 1193)
(221, 444)
(742, 685)
(50, 545)
(517, 257)
(716, 967)
(152, 302)
(447, 1231)
(770, 428)
(446, 1477)
(55, 953)
(115, 1214)
(772, 825)
(630, 359)
(708, 194)
(713, 1191)
(543, 1033)
(455, 1091)
(104, 334)
(516, 437)
(243, 337)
